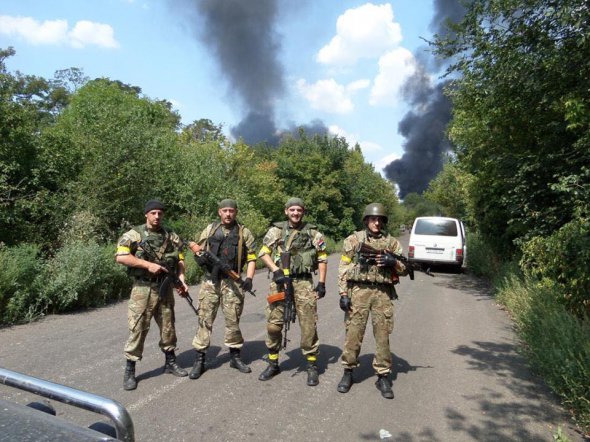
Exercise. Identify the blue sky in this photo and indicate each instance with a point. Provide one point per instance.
(343, 61)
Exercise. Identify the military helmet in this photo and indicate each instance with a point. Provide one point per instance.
(294, 202)
(375, 209)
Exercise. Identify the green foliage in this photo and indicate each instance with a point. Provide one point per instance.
(82, 274)
(519, 114)
(483, 261)
(415, 205)
(193, 273)
(19, 266)
(448, 190)
(561, 262)
(557, 343)
(106, 142)
(26, 107)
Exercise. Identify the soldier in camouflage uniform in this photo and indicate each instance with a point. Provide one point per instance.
(234, 245)
(142, 249)
(308, 253)
(367, 287)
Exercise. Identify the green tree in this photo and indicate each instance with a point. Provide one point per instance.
(27, 106)
(109, 151)
(449, 191)
(519, 113)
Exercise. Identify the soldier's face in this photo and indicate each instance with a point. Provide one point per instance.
(375, 224)
(294, 214)
(227, 215)
(154, 219)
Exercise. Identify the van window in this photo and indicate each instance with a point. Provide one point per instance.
(438, 227)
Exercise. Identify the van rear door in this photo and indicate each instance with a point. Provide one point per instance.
(437, 240)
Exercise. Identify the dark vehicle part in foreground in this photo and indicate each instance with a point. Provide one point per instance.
(37, 421)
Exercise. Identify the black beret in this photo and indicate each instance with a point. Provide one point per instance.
(153, 205)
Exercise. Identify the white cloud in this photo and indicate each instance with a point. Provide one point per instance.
(86, 32)
(51, 32)
(330, 96)
(367, 147)
(394, 68)
(363, 32)
(384, 161)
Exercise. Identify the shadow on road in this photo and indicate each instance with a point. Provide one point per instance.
(504, 418)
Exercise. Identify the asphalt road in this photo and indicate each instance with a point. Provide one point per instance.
(457, 373)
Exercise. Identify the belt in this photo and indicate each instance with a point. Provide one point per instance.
(302, 276)
(369, 283)
(143, 280)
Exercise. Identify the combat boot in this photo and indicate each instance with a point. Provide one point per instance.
(346, 381)
(236, 362)
(383, 384)
(129, 380)
(312, 374)
(272, 370)
(199, 365)
(171, 366)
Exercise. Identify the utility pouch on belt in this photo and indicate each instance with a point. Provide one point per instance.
(275, 297)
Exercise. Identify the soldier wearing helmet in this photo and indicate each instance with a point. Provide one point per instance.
(307, 250)
(366, 288)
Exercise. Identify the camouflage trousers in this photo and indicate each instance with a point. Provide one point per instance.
(143, 305)
(230, 297)
(373, 300)
(307, 313)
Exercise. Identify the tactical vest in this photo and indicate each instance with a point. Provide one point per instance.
(154, 247)
(299, 242)
(229, 249)
(363, 272)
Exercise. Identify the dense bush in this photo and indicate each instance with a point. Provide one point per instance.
(557, 343)
(82, 274)
(19, 267)
(561, 262)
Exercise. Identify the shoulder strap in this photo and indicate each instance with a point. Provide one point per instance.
(164, 244)
(240, 245)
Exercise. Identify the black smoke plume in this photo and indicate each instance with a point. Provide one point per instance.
(241, 36)
(425, 124)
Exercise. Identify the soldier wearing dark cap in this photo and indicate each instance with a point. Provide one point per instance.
(234, 245)
(307, 250)
(141, 249)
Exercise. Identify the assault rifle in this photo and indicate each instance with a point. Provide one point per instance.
(171, 277)
(371, 256)
(216, 265)
(289, 312)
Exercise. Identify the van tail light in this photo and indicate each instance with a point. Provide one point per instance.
(411, 252)
(459, 255)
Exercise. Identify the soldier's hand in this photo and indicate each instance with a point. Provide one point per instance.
(321, 289)
(182, 290)
(278, 277)
(386, 260)
(156, 268)
(247, 285)
(345, 304)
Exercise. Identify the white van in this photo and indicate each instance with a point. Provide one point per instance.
(437, 240)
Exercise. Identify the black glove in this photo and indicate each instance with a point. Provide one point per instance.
(201, 259)
(386, 260)
(345, 304)
(321, 289)
(247, 285)
(278, 277)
